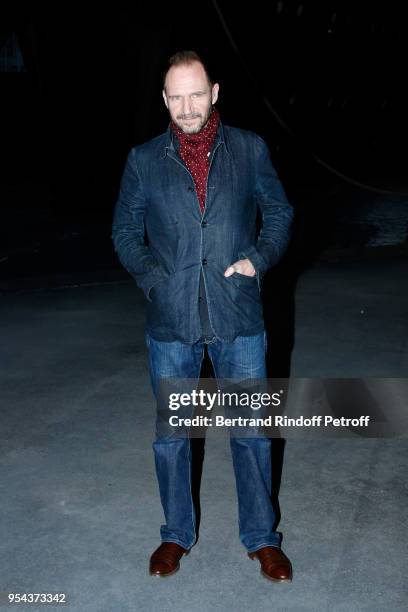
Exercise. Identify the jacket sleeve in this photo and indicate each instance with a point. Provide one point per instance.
(128, 230)
(277, 213)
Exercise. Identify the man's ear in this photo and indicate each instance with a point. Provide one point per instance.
(165, 98)
(214, 92)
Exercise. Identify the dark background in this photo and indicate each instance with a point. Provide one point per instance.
(322, 83)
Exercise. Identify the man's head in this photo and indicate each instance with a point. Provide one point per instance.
(188, 91)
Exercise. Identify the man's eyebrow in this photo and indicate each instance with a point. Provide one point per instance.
(193, 92)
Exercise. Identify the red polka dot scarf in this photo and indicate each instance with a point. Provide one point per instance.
(195, 152)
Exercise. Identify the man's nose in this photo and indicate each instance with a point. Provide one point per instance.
(187, 106)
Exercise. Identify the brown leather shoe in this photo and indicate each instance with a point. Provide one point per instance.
(274, 563)
(165, 559)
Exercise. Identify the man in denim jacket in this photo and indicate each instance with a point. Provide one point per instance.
(184, 227)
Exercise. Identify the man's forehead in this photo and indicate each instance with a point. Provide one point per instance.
(180, 79)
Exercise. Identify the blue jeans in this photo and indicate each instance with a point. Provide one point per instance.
(243, 358)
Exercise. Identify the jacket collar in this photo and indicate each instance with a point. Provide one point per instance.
(169, 143)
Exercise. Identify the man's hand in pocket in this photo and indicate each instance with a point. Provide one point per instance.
(242, 266)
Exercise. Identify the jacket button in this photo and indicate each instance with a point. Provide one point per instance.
(190, 188)
(204, 224)
(204, 262)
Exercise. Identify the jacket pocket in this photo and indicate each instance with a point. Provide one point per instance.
(244, 277)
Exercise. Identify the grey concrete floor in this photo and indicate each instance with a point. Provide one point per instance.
(80, 510)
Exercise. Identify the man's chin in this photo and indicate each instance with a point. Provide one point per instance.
(192, 130)
(191, 127)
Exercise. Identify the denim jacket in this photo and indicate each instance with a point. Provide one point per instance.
(164, 241)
